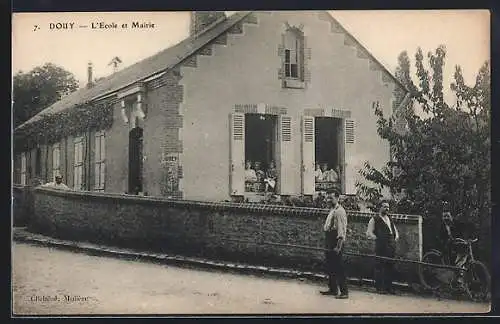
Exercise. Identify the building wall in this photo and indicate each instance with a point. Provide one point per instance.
(161, 132)
(188, 108)
(240, 232)
(245, 71)
(117, 153)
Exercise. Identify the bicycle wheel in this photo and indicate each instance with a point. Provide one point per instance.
(428, 274)
(477, 281)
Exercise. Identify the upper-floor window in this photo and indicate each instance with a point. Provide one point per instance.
(78, 163)
(294, 72)
(100, 159)
(294, 54)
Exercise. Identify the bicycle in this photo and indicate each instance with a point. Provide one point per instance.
(476, 277)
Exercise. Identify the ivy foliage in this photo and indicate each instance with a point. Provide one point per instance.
(54, 127)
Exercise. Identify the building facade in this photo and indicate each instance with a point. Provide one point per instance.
(256, 89)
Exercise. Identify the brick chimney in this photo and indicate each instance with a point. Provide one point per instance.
(202, 19)
(90, 81)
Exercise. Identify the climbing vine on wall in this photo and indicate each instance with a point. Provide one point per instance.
(52, 128)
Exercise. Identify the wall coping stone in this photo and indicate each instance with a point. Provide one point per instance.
(302, 212)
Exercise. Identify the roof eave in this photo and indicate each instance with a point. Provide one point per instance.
(163, 70)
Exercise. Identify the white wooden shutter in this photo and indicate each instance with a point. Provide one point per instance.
(286, 163)
(350, 156)
(308, 155)
(237, 154)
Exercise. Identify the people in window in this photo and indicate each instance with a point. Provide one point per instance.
(318, 174)
(271, 176)
(331, 176)
(324, 172)
(57, 184)
(259, 172)
(250, 175)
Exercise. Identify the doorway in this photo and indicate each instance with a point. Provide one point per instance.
(260, 148)
(135, 161)
(328, 137)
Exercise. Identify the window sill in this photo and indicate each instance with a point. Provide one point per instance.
(293, 84)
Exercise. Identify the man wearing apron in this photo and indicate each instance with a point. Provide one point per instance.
(335, 229)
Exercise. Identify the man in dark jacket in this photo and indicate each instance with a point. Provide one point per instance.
(449, 232)
(382, 229)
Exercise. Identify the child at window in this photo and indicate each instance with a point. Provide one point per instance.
(250, 175)
(318, 174)
(271, 176)
(324, 172)
(332, 176)
(258, 172)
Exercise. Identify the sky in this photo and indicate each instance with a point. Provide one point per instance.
(465, 33)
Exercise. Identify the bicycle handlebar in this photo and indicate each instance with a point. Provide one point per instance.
(465, 241)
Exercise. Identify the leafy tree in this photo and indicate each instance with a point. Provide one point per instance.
(39, 88)
(440, 154)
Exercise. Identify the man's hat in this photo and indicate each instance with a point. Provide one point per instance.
(446, 206)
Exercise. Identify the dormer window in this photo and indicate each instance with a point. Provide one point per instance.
(294, 57)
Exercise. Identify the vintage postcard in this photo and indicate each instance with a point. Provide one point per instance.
(251, 162)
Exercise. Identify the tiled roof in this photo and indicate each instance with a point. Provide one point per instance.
(157, 63)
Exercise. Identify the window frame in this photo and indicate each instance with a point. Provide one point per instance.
(78, 164)
(293, 73)
(24, 168)
(100, 161)
(56, 167)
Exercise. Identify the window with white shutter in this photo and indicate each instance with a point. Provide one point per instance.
(23, 168)
(78, 163)
(287, 165)
(261, 147)
(56, 160)
(237, 154)
(308, 155)
(328, 138)
(100, 161)
(350, 155)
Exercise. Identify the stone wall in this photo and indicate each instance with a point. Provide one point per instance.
(22, 205)
(252, 233)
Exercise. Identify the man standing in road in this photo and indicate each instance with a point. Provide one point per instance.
(382, 229)
(335, 229)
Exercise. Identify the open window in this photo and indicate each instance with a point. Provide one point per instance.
(260, 152)
(328, 139)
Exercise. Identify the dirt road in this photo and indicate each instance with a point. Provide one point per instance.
(53, 281)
